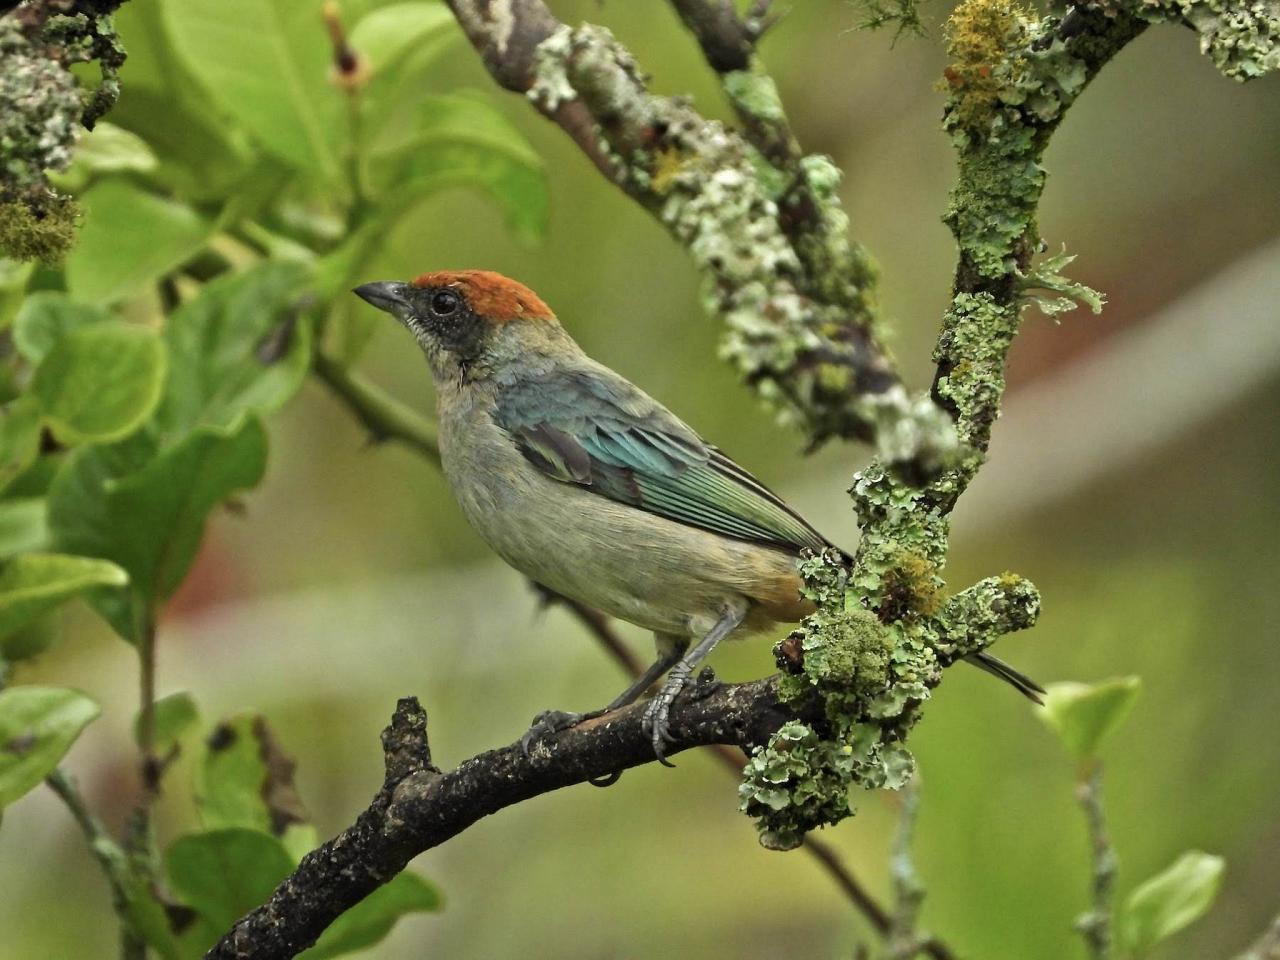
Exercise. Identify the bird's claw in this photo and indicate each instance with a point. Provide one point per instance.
(548, 723)
(656, 722)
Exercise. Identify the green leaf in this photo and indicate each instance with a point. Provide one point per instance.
(370, 920)
(385, 36)
(19, 438)
(461, 140)
(1085, 714)
(46, 317)
(14, 275)
(32, 640)
(37, 727)
(277, 80)
(100, 383)
(33, 584)
(223, 874)
(231, 775)
(130, 238)
(236, 348)
(174, 716)
(202, 154)
(106, 149)
(149, 518)
(1171, 900)
(23, 526)
(243, 779)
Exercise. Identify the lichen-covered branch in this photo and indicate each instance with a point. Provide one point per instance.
(796, 296)
(1013, 77)
(42, 107)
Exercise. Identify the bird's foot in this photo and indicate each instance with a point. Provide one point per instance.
(550, 722)
(656, 722)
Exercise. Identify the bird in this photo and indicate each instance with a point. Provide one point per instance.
(591, 488)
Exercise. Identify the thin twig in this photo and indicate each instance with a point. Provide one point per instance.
(908, 892)
(110, 855)
(1095, 924)
(385, 417)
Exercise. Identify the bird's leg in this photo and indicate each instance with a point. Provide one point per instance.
(549, 722)
(670, 650)
(655, 715)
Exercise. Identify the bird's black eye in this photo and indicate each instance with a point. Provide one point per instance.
(445, 303)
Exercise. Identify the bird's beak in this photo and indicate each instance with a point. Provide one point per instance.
(388, 295)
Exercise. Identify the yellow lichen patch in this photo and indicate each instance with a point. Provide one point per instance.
(667, 164)
(981, 36)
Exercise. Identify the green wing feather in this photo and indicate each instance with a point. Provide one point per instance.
(594, 429)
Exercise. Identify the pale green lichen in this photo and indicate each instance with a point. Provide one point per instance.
(753, 93)
(803, 336)
(42, 108)
(551, 86)
(871, 658)
(1242, 38)
(1047, 275)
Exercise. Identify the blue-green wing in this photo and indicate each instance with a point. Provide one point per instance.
(596, 430)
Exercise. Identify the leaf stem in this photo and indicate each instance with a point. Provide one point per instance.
(1095, 924)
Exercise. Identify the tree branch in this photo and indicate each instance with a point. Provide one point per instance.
(732, 759)
(799, 306)
(419, 807)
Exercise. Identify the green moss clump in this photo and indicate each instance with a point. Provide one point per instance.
(38, 226)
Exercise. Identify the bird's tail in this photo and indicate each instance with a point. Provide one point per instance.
(1019, 681)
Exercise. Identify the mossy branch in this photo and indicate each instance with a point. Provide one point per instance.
(799, 305)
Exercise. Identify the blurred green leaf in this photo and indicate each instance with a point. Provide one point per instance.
(23, 526)
(385, 36)
(370, 920)
(149, 518)
(201, 153)
(34, 583)
(19, 438)
(461, 140)
(14, 275)
(46, 317)
(1171, 900)
(100, 383)
(31, 640)
(130, 238)
(175, 715)
(104, 150)
(277, 81)
(236, 348)
(1085, 714)
(223, 874)
(37, 727)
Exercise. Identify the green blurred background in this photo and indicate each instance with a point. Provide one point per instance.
(1134, 480)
